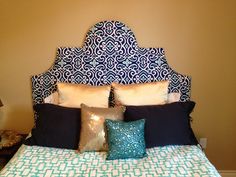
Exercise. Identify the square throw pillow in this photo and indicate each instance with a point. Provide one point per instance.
(125, 139)
(167, 124)
(73, 95)
(151, 93)
(56, 126)
(93, 134)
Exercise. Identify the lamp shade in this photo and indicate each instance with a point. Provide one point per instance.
(1, 104)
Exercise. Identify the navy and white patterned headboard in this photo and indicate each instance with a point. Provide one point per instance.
(110, 54)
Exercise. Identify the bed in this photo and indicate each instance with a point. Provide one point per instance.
(110, 54)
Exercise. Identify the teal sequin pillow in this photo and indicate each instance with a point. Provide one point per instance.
(125, 139)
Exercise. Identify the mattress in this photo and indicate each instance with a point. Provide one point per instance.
(174, 161)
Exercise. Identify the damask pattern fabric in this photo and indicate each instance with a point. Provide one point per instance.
(174, 161)
(110, 54)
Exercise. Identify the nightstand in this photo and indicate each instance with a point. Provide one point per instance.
(7, 153)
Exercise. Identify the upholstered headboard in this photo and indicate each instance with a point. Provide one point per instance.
(109, 54)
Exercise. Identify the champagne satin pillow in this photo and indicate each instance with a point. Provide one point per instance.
(152, 93)
(73, 95)
(92, 133)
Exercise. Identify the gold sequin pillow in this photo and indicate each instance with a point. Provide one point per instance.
(93, 133)
(152, 93)
(73, 95)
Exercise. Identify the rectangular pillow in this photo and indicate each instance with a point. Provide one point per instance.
(73, 95)
(56, 126)
(167, 124)
(53, 98)
(141, 94)
(93, 134)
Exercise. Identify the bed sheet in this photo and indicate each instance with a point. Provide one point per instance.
(174, 161)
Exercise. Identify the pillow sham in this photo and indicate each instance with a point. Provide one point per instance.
(173, 97)
(141, 94)
(52, 98)
(56, 126)
(93, 134)
(167, 124)
(125, 139)
(73, 95)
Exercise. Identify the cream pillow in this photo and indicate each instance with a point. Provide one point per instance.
(53, 98)
(72, 95)
(152, 93)
(173, 97)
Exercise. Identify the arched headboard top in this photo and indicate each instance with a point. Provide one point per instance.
(110, 37)
(109, 54)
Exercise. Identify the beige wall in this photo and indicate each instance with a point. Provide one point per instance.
(198, 35)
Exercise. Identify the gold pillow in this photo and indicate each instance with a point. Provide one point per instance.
(152, 93)
(92, 133)
(72, 95)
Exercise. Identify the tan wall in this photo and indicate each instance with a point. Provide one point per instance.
(198, 35)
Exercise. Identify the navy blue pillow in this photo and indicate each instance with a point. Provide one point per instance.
(56, 126)
(167, 124)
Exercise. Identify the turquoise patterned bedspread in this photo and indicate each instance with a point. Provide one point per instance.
(171, 161)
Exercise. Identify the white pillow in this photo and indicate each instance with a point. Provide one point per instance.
(173, 97)
(53, 98)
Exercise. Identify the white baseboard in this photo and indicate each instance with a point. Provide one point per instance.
(227, 173)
